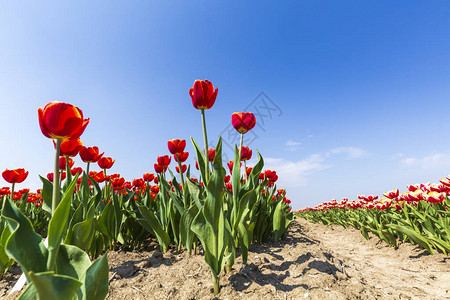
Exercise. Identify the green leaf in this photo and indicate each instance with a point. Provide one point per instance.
(210, 224)
(29, 293)
(201, 160)
(118, 216)
(58, 224)
(83, 233)
(77, 217)
(187, 235)
(95, 281)
(279, 221)
(414, 236)
(24, 245)
(195, 192)
(72, 261)
(47, 195)
(152, 224)
(5, 260)
(438, 243)
(106, 221)
(254, 174)
(54, 286)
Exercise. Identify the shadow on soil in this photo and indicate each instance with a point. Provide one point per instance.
(251, 273)
(132, 268)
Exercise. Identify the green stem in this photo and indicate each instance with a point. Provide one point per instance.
(106, 185)
(52, 253)
(205, 138)
(240, 145)
(181, 171)
(216, 284)
(12, 193)
(245, 170)
(69, 173)
(56, 188)
(87, 169)
(240, 151)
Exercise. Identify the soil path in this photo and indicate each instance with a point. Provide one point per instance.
(314, 262)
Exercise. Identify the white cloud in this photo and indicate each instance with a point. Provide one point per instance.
(429, 162)
(351, 152)
(293, 173)
(292, 145)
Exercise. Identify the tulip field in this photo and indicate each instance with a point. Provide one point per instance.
(419, 216)
(60, 234)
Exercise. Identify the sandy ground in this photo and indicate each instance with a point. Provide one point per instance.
(313, 262)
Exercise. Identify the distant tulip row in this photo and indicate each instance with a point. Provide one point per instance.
(220, 211)
(420, 215)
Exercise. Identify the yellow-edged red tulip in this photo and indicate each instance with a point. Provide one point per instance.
(203, 94)
(70, 147)
(243, 121)
(90, 154)
(59, 120)
(105, 162)
(148, 176)
(176, 146)
(15, 176)
(182, 157)
(246, 153)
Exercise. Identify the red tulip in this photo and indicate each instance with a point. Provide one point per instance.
(183, 168)
(50, 176)
(203, 94)
(90, 154)
(114, 176)
(159, 168)
(155, 180)
(70, 147)
(182, 157)
(196, 165)
(62, 163)
(148, 176)
(271, 175)
(117, 182)
(76, 170)
(5, 191)
(246, 153)
(370, 198)
(392, 194)
(155, 189)
(243, 121)
(412, 187)
(61, 120)
(227, 179)
(105, 162)
(211, 154)
(99, 177)
(230, 166)
(15, 176)
(248, 170)
(176, 146)
(164, 160)
(440, 188)
(128, 185)
(137, 183)
(435, 197)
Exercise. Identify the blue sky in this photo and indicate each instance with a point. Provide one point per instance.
(361, 87)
